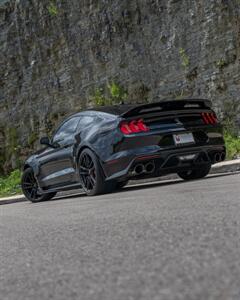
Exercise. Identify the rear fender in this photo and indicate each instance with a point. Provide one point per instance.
(87, 146)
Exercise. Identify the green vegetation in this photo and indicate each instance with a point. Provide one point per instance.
(221, 63)
(12, 146)
(33, 137)
(231, 112)
(184, 58)
(52, 9)
(115, 94)
(2, 161)
(232, 144)
(10, 185)
(99, 99)
(12, 138)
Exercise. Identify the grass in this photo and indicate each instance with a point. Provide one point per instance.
(10, 185)
(232, 145)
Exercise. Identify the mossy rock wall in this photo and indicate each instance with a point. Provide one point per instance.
(54, 55)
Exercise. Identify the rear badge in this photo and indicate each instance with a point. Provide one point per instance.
(183, 138)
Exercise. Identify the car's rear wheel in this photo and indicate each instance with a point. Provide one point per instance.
(30, 188)
(195, 174)
(91, 174)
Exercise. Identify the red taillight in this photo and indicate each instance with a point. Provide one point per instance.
(125, 128)
(209, 118)
(134, 126)
(142, 126)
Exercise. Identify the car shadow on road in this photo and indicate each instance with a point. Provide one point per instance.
(169, 182)
(140, 186)
(69, 196)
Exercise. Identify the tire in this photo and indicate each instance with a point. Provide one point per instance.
(195, 174)
(91, 175)
(30, 187)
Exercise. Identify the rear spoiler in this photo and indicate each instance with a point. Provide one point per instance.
(167, 105)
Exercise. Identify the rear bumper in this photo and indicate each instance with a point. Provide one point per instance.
(165, 161)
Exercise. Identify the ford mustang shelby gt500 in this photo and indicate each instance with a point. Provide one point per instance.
(101, 149)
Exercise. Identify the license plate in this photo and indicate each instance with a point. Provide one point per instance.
(183, 138)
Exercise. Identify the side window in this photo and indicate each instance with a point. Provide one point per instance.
(67, 129)
(85, 121)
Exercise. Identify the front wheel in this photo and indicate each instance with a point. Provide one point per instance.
(195, 174)
(30, 188)
(91, 174)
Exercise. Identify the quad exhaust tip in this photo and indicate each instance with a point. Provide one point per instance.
(139, 169)
(219, 156)
(150, 167)
(144, 168)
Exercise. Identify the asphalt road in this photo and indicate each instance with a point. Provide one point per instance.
(173, 240)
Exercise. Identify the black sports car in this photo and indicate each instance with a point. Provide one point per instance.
(101, 149)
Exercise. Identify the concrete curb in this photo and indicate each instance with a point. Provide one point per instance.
(226, 166)
(230, 166)
(12, 199)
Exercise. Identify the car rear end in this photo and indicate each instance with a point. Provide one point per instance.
(165, 137)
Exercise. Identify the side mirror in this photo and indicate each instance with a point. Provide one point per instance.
(45, 141)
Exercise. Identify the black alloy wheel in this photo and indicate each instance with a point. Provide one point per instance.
(91, 175)
(87, 172)
(30, 187)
